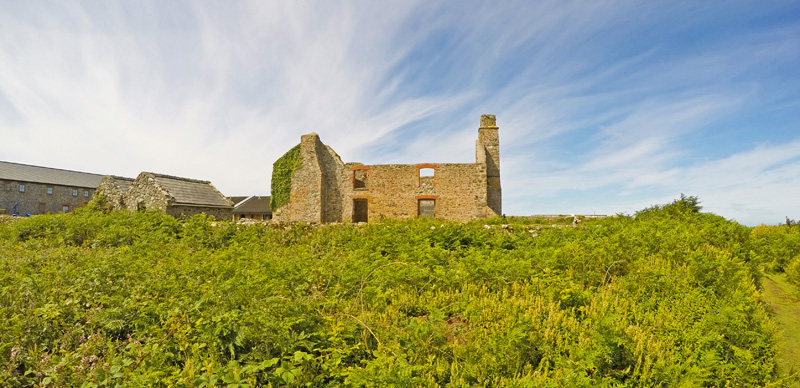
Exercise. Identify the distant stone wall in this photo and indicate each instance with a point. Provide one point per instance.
(219, 214)
(35, 198)
(324, 189)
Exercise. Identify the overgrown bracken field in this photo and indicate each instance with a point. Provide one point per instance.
(668, 297)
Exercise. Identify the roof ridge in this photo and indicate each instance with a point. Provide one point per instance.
(122, 177)
(155, 174)
(52, 168)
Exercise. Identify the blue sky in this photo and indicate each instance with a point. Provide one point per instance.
(604, 107)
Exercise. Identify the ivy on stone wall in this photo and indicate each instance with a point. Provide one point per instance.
(282, 172)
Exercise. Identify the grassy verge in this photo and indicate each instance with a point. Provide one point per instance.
(780, 296)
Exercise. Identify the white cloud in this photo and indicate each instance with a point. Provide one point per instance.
(602, 105)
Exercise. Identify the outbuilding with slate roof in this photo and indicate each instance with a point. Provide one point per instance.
(254, 207)
(39, 190)
(177, 196)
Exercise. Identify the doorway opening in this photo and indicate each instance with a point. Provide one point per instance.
(427, 208)
(360, 210)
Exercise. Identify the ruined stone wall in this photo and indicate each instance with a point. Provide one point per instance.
(393, 191)
(461, 190)
(144, 193)
(389, 191)
(324, 188)
(219, 214)
(488, 152)
(333, 182)
(113, 194)
(305, 203)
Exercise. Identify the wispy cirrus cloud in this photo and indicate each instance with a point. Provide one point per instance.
(606, 106)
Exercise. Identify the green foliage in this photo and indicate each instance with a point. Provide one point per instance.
(685, 206)
(139, 299)
(775, 246)
(282, 173)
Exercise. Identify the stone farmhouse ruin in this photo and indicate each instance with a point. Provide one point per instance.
(310, 183)
(177, 196)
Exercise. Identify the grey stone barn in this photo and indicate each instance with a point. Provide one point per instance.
(113, 189)
(40, 190)
(177, 196)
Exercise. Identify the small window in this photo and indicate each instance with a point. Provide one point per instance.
(360, 179)
(65, 208)
(74, 192)
(21, 188)
(86, 193)
(426, 176)
(50, 190)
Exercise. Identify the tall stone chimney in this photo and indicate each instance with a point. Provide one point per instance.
(488, 151)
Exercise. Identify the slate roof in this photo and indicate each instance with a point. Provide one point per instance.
(255, 205)
(35, 174)
(122, 182)
(237, 199)
(191, 192)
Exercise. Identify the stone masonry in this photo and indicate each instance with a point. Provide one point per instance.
(113, 189)
(324, 189)
(177, 197)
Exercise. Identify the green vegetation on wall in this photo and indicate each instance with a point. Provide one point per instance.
(282, 172)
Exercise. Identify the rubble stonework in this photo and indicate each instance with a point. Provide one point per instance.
(324, 189)
(113, 189)
(177, 197)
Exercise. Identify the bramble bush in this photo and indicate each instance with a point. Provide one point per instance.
(667, 297)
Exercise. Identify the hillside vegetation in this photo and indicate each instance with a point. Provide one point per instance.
(668, 297)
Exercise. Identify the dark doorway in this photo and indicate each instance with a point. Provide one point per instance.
(427, 208)
(360, 210)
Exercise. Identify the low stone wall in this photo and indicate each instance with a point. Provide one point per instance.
(188, 211)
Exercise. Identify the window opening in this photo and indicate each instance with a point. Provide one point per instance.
(65, 208)
(86, 193)
(427, 208)
(21, 188)
(360, 210)
(360, 179)
(49, 190)
(74, 192)
(423, 172)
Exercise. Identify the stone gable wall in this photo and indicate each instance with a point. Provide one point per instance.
(146, 193)
(114, 196)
